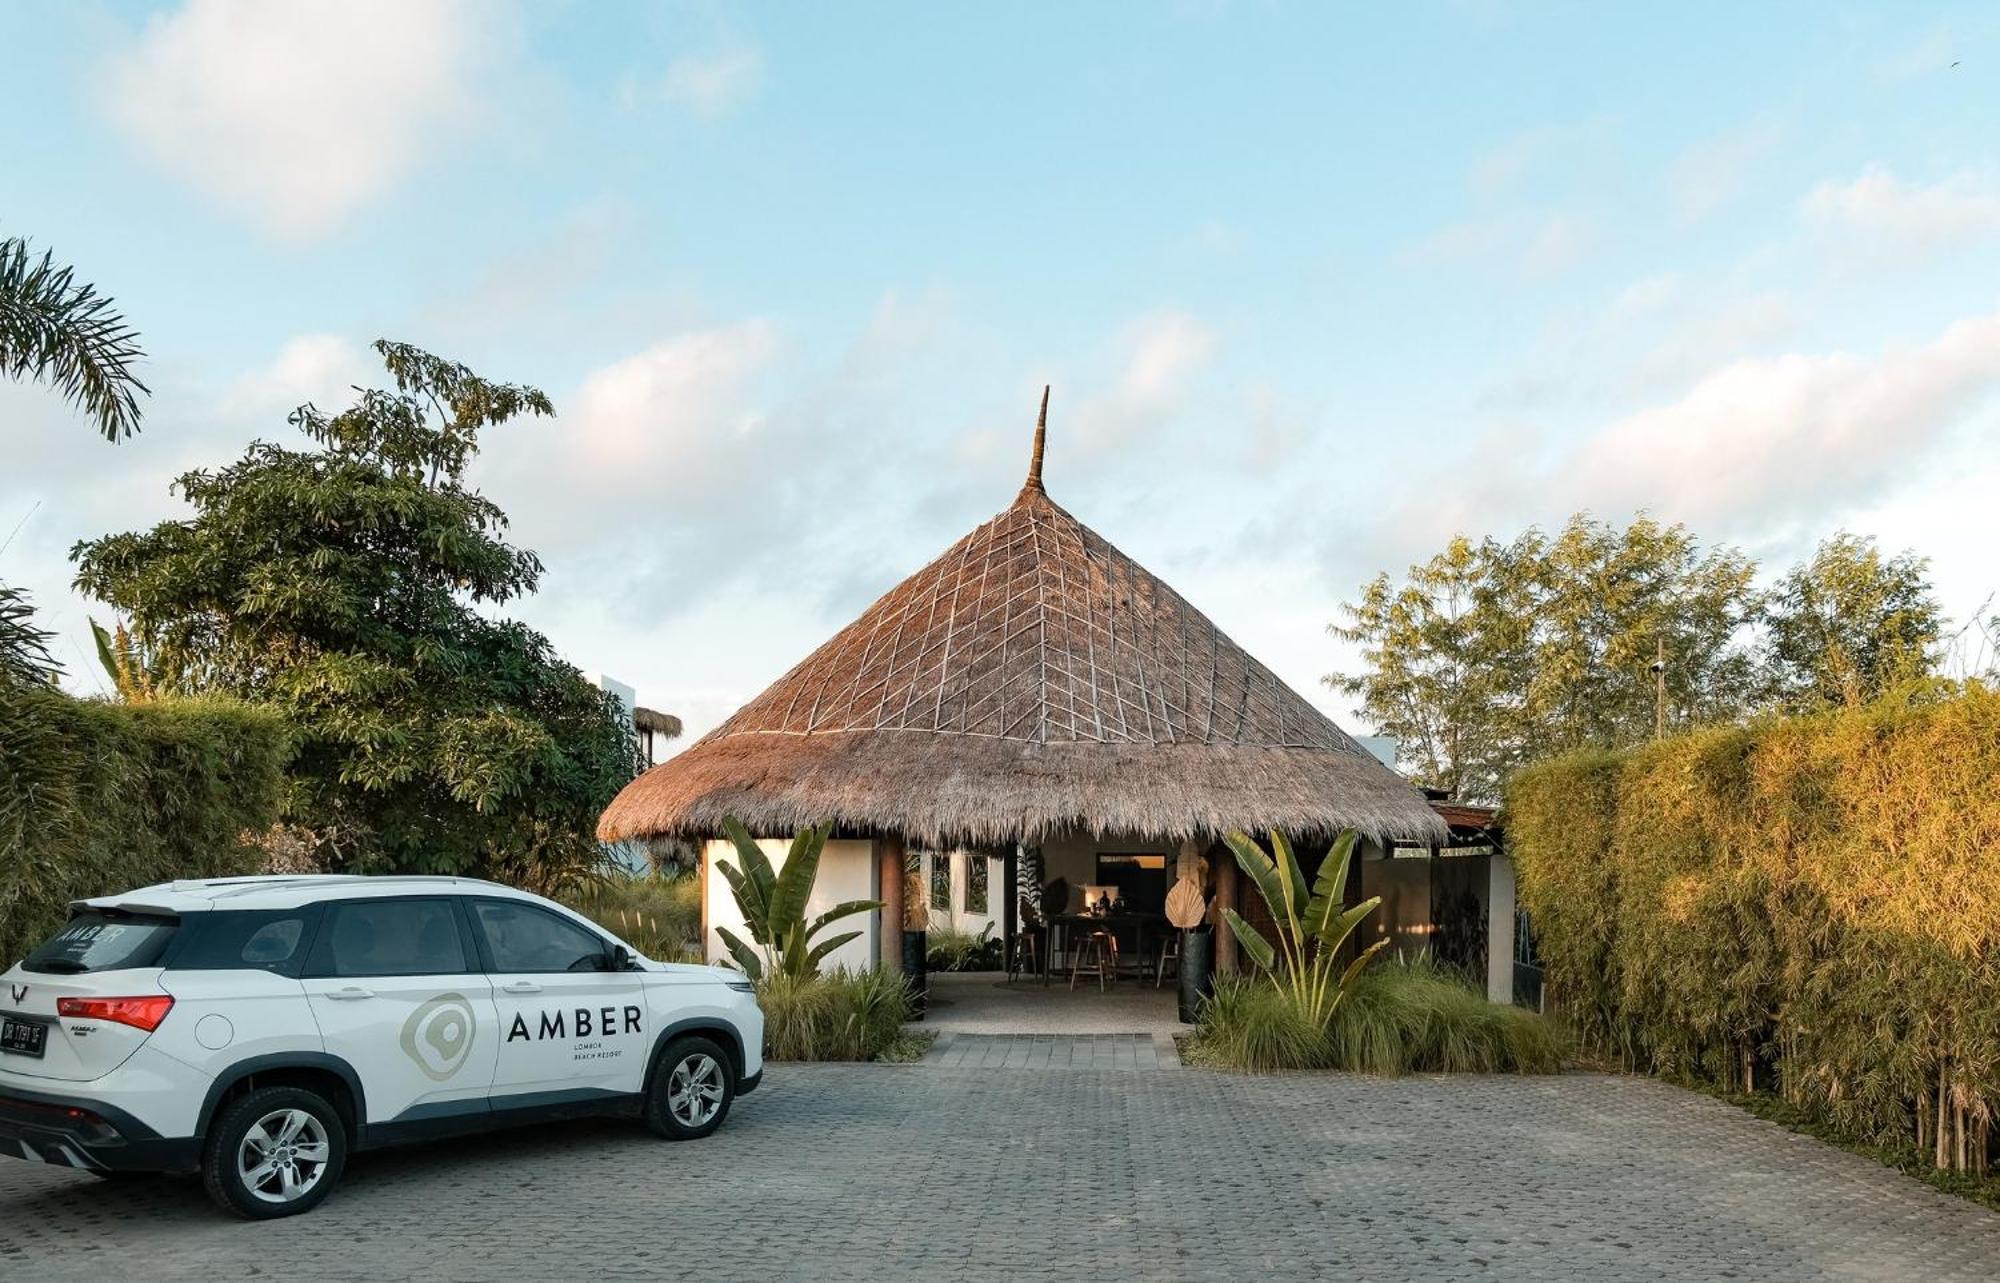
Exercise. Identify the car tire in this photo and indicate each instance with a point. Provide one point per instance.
(304, 1138)
(692, 1088)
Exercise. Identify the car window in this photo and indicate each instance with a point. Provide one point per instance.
(389, 938)
(232, 940)
(521, 937)
(103, 940)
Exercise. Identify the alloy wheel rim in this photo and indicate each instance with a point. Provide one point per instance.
(694, 1090)
(283, 1156)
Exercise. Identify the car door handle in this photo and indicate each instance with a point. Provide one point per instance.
(350, 993)
(520, 986)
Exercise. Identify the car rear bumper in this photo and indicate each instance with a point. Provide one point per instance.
(72, 1131)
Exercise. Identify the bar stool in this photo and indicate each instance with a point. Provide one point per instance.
(1098, 957)
(1170, 950)
(1026, 955)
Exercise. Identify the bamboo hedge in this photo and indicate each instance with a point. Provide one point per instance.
(99, 797)
(1809, 906)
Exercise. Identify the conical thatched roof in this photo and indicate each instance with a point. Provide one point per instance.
(1030, 680)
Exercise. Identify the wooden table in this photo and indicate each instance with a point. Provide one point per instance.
(1137, 926)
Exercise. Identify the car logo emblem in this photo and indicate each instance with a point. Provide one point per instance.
(20, 992)
(438, 1036)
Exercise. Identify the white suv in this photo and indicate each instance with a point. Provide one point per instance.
(260, 1029)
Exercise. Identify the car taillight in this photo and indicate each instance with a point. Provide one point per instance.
(141, 1013)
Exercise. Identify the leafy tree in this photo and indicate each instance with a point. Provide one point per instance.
(66, 334)
(1441, 651)
(341, 585)
(1489, 655)
(1849, 624)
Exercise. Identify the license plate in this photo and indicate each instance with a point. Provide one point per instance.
(23, 1037)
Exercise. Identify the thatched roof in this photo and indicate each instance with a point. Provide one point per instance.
(665, 725)
(1031, 680)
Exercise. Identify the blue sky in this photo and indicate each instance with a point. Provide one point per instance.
(1317, 286)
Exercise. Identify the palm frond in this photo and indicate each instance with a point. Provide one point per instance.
(24, 648)
(63, 333)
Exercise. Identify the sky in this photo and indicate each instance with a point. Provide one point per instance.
(1316, 286)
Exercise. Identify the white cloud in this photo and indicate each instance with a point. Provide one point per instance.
(296, 115)
(681, 408)
(1758, 442)
(1911, 217)
(1710, 175)
(1527, 248)
(1158, 356)
(711, 84)
(1566, 145)
(320, 368)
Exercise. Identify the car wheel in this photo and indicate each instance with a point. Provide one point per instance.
(276, 1152)
(691, 1090)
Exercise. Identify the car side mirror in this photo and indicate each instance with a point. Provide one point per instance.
(621, 958)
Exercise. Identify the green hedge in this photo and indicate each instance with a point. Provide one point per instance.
(98, 797)
(1809, 906)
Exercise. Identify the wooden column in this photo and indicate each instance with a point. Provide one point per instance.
(701, 861)
(889, 937)
(1225, 898)
(1010, 891)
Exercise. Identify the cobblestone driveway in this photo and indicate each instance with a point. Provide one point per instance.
(863, 1172)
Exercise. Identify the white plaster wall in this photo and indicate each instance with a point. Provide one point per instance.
(958, 915)
(1500, 930)
(847, 871)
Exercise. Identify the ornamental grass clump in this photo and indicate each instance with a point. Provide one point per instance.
(1248, 1023)
(1397, 1018)
(845, 1015)
(657, 913)
(1415, 1017)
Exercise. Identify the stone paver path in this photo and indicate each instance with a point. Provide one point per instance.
(932, 1172)
(983, 1002)
(1053, 1051)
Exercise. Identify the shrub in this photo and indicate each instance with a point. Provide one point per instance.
(1312, 923)
(948, 947)
(773, 904)
(846, 1015)
(97, 798)
(1397, 1018)
(1251, 1024)
(658, 913)
(1808, 904)
(1418, 1017)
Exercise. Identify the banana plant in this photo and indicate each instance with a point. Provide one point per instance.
(1311, 923)
(773, 903)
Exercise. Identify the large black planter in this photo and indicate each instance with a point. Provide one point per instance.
(915, 971)
(1197, 970)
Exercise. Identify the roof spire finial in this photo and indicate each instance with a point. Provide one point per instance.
(1041, 437)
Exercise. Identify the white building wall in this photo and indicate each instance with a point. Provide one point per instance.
(958, 915)
(847, 871)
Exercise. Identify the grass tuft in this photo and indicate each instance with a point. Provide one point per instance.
(1400, 1018)
(844, 1015)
